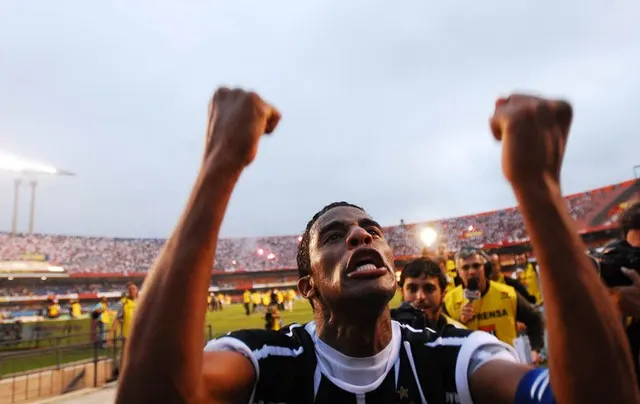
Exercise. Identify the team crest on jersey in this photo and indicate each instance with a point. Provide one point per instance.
(403, 393)
(504, 295)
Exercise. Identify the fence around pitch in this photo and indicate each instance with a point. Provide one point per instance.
(57, 364)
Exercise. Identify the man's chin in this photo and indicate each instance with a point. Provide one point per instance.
(374, 293)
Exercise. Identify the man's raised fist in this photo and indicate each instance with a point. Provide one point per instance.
(534, 134)
(237, 120)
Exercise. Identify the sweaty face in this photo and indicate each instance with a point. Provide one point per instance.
(351, 262)
(472, 267)
(423, 293)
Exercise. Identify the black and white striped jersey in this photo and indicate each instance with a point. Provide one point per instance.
(419, 366)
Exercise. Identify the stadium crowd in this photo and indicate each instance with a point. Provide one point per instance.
(118, 255)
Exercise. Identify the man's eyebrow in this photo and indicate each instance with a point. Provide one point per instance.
(367, 222)
(334, 225)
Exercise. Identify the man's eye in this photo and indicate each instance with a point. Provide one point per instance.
(332, 237)
(375, 232)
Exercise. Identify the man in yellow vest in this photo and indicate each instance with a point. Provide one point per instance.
(422, 284)
(529, 277)
(53, 308)
(246, 301)
(100, 316)
(498, 277)
(126, 312)
(482, 304)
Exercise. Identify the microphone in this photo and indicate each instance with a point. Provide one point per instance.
(472, 291)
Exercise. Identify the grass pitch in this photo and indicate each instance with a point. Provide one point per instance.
(59, 351)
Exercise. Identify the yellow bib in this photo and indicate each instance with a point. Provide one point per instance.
(128, 310)
(495, 312)
(531, 283)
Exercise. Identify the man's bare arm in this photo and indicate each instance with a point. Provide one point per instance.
(164, 361)
(589, 357)
(585, 337)
(496, 382)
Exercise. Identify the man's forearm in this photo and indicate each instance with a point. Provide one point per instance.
(586, 341)
(532, 319)
(165, 348)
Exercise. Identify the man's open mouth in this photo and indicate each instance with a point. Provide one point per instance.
(366, 263)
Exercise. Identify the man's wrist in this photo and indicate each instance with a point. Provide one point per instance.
(536, 190)
(219, 165)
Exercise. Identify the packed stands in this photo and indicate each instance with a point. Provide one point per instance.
(96, 255)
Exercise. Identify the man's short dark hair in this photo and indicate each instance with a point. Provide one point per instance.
(423, 267)
(630, 219)
(303, 258)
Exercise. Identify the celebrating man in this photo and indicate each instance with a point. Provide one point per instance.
(353, 352)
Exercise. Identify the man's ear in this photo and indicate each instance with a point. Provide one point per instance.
(306, 287)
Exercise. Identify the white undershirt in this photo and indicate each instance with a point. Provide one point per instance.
(357, 372)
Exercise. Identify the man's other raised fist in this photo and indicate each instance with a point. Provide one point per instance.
(534, 134)
(237, 120)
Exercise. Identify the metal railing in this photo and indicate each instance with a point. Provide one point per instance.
(54, 365)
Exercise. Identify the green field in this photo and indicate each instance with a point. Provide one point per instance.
(59, 349)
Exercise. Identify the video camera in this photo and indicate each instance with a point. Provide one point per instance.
(614, 256)
(409, 315)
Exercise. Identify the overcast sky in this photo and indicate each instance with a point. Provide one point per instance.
(385, 104)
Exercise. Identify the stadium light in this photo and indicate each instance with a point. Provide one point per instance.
(636, 171)
(428, 236)
(26, 170)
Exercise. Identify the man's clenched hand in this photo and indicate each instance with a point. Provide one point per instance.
(237, 120)
(534, 134)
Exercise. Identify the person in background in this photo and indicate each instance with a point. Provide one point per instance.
(280, 299)
(272, 317)
(498, 276)
(627, 298)
(246, 301)
(123, 322)
(422, 284)
(126, 312)
(265, 300)
(289, 298)
(100, 317)
(498, 307)
(75, 310)
(53, 308)
(220, 301)
(529, 277)
(256, 298)
(447, 265)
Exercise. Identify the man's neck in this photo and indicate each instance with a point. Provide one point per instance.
(433, 315)
(355, 337)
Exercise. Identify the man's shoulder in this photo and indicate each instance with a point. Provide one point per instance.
(291, 337)
(449, 335)
(503, 288)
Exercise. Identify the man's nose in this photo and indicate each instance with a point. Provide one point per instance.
(358, 237)
(421, 295)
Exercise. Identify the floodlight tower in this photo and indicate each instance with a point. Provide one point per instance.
(636, 171)
(26, 171)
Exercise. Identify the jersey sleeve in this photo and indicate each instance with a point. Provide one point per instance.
(478, 349)
(273, 355)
